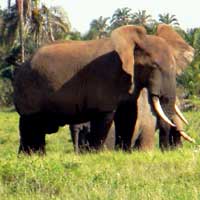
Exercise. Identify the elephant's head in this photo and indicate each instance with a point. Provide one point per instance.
(155, 60)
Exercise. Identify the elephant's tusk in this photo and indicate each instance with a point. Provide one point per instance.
(178, 112)
(187, 137)
(159, 110)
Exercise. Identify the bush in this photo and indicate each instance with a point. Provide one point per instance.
(190, 80)
(6, 92)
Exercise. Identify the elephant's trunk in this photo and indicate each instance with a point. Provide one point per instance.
(178, 112)
(176, 119)
(187, 137)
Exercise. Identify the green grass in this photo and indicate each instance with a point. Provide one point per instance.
(61, 174)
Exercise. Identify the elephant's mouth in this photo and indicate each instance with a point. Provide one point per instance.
(162, 115)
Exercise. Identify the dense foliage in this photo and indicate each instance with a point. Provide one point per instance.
(23, 28)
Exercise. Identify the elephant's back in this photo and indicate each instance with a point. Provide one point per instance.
(61, 61)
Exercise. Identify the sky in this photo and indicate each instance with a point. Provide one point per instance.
(82, 12)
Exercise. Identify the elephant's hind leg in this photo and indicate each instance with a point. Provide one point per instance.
(32, 137)
(145, 140)
(100, 127)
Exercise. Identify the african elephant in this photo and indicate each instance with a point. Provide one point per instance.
(77, 81)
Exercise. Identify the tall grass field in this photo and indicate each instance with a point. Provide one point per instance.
(107, 175)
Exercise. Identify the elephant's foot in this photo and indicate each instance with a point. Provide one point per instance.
(31, 148)
(123, 144)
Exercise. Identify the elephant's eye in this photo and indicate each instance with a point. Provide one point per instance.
(155, 65)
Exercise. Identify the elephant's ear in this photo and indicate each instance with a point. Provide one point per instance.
(183, 53)
(124, 40)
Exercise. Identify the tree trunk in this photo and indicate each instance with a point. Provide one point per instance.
(9, 4)
(50, 31)
(21, 26)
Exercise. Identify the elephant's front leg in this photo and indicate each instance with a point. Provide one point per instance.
(164, 135)
(99, 129)
(32, 136)
(125, 120)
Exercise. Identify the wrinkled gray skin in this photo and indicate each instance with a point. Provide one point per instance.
(143, 137)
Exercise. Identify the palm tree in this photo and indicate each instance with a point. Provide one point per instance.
(168, 19)
(26, 20)
(58, 22)
(27, 26)
(13, 21)
(98, 28)
(1, 22)
(48, 24)
(9, 25)
(141, 18)
(122, 16)
(193, 38)
(20, 9)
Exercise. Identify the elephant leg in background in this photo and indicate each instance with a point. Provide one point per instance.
(74, 130)
(32, 136)
(109, 143)
(125, 120)
(91, 135)
(80, 137)
(79, 134)
(146, 138)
